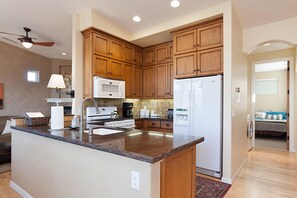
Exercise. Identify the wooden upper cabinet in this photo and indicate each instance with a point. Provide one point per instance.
(161, 80)
(108, 68)
(170, 78)
(149, 56)
(210, 61)
(149, 82)
(185, 65)
(137, 56)
(128, 54)
(210, 36)
(105, 46)
(128, 77)
(100, 45)
(138, 81)
(184, 42)
(164, 53)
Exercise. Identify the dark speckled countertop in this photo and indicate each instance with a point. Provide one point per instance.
(147, 146)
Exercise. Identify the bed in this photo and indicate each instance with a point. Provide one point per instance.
(271, 123)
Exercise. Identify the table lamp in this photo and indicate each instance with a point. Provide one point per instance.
(57, 112)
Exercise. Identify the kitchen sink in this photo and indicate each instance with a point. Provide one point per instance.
(104, 131)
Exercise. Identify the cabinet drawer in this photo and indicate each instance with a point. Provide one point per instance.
(139, 124)
(166, 124)
(153, 124)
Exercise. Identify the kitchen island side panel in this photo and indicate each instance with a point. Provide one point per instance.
(45, 167)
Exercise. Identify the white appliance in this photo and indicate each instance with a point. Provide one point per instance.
(107, 88)
(198, 112)
(105, 114)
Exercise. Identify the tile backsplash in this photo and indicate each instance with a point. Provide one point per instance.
(159, 106)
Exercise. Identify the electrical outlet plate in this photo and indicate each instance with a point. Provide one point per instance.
(135, 180)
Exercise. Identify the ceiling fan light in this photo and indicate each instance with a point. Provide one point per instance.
(27, 44)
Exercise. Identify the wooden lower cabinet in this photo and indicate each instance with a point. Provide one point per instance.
(178, 176)
(67, 120)
(154, 125)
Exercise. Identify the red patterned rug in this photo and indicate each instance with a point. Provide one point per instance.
(207, 188)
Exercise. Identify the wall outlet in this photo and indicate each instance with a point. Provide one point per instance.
(135, 180)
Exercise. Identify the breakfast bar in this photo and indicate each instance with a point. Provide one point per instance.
(130, 163)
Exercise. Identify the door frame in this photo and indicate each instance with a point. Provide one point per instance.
(291, 99)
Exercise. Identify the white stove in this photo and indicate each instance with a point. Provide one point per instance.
(105, 116)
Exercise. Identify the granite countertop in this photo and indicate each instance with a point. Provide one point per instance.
(147, 146)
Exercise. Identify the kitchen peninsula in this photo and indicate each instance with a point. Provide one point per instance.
(134, 163)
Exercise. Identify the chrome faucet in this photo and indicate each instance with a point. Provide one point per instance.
(82, 126)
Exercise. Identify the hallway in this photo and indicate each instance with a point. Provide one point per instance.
(267, 173)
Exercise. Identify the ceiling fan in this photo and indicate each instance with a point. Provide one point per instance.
(27, 41)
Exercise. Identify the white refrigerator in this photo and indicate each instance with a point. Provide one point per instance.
(198, 112)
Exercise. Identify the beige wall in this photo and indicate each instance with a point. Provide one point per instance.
(239, 140)
(74, 171)
(273, 102)
(21, 96)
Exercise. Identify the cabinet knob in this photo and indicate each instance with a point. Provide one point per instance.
(168, 125)
(110, 53)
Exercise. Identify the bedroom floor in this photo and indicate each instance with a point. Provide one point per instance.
(271, 142)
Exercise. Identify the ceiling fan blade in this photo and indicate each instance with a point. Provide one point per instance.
(47, 44)
(11, 34)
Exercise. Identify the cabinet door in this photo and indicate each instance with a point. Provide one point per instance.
(116, 69)
(170, 80)
(170, 52)
(128, 76)
(138, 82)
(87, 65)
(185, 65)
(138, 56)
(161, 54)
(210, 61)
(100, 45)
(149, 82)
(149, 56)
(210, 36)
(184, 42)
(128, 54)
(100, 66)
(161, 80)
(116, 50)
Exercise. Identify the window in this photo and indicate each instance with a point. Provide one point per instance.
(33, 76)
(266, 86)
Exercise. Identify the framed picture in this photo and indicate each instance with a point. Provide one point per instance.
(1, 95)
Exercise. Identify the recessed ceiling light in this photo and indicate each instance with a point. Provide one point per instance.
(64, 54)
(175, 3)
(266, 44)
(136, 19)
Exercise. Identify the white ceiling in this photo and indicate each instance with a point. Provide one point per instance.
(51, 20)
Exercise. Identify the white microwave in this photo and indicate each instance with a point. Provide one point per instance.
(107, 88)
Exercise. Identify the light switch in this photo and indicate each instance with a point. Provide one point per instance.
(135, 180)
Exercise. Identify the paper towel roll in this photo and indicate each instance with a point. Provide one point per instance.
(57, 117)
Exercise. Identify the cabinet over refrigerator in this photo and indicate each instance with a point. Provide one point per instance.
(198, 112)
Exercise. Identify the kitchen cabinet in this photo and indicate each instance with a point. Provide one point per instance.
(133, 81)
(164, 53)
(133, 55)
(108, 68)
(105, 55)
(108, 47)
(149, 56)
(148, 82)
(164, 80)
(198, 51)
(154, 125)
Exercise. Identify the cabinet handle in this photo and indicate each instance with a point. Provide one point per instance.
(168, 125)
(110, 53)
(153, 124)
(194, 45)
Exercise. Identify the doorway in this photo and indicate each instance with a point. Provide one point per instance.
(271, 85)
(272, 103)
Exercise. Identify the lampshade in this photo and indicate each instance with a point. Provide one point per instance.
(56, 81)
(27, 44)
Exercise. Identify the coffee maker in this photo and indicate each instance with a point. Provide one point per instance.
(127, 109)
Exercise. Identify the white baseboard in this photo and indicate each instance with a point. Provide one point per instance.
(231, 180)
(19, 190)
